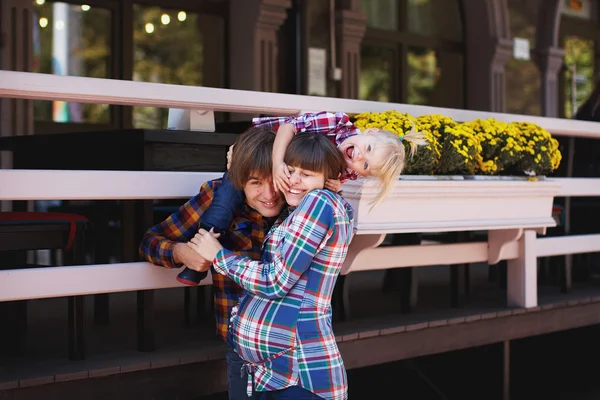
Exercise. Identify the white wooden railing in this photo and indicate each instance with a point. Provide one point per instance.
(513, 212)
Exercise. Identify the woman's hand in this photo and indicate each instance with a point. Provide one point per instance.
(281, 176)
(205, 244)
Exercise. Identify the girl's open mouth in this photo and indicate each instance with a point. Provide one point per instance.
(349, 152)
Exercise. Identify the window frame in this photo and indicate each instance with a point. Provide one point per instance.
(585, 29)
(121, 41)
(402, 39)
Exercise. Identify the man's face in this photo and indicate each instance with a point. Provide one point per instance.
(262, 196)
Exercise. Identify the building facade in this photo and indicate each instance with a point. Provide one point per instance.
(528, 57)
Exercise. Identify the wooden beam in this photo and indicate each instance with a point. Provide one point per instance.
(423, 342)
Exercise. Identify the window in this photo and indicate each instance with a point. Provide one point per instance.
(178, 47)
(579, 73)
(523, 81)
(580, 38)
(377, 73)
(413, 52)
(71, 39)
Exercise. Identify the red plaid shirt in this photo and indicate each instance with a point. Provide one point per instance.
(245, 237)
(336, 126)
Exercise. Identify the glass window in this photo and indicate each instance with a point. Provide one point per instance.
(318, 35)
(579, 72)
(168, 47)
(423, 75)
(418, 62)
(523, 80)
(421, 17)
(74, 40)
(377, 71)
(381, 14)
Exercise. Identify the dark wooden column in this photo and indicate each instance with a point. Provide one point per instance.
(16, 54)
(351, 24)
(488, 48)
(253, 49)
(16, 18)
(16, 116)
(548, 55)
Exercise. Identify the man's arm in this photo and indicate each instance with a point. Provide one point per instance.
(162, 244)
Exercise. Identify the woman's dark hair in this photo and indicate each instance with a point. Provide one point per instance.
(315, 153)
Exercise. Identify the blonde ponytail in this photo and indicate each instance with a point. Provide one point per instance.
(415, 139)
(395, 158)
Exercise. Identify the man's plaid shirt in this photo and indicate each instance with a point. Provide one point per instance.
(282, 326)
(245, 237)
(336, 126)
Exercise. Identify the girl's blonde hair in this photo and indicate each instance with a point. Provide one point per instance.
(394, 157)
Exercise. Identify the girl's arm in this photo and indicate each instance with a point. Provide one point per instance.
(281, 174)
(322, 122)
(310, 228)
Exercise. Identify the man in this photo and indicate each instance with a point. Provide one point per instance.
(164, 244)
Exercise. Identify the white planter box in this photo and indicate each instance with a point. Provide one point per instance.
(434, 206)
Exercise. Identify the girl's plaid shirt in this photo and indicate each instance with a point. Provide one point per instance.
(282, 326)
(336, 126)
(245, 236)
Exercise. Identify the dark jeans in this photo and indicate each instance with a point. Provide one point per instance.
(237, 379)
(291, 393)
(226, 201)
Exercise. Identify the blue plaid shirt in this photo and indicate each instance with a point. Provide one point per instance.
(282, 326)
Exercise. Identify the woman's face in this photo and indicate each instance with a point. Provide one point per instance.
(302, 181)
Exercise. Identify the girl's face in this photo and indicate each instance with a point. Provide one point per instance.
(362, 154)
(302, 181)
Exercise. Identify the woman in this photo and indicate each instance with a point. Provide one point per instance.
(282, 326)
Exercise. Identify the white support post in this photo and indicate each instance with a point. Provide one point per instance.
(522, 273)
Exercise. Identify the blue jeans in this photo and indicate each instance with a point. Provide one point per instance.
(226, 201)
(291, 393)
(236, 379)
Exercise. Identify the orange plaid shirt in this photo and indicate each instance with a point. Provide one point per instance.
(244, 237)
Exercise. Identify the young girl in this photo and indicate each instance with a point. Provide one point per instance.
(282, 325)
(374, 153)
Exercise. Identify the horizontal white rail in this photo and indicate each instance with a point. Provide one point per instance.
(578, 187)
(22, 184)
(561, 245)
(18, 184)
(78, 280)
(36, 86)
(39, 283)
